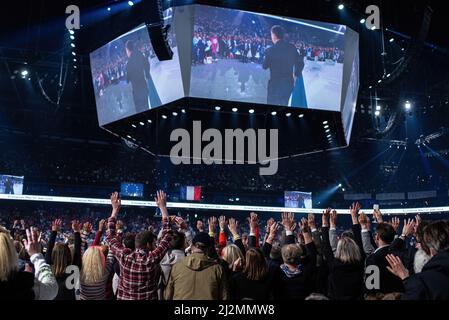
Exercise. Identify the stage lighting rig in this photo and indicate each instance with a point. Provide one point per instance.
(423, 140)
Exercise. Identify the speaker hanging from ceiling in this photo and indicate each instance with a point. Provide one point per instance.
(157, 29)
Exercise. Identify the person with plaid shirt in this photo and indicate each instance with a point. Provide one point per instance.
(139, 269)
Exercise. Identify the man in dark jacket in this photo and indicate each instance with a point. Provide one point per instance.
(138, 72)
(283, 60)
(432, 283)
(388, 282)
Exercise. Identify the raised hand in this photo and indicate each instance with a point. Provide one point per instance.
(212, 224)
(273, 232)
(182, 225)
(87, 227)
(56, 225)
(288, 221)
(222, 222)
(161, 202)
(116, 203)
(325, 217)
(232, 226)
(253, 222)
(76, 226)
(354, 210)
(311, 221)
(33, 241)
(363, 220)
(333, 219)
(395, 222)
(102, 225)
(396, 267)
(409, 227)
(304, 226)
(378, 216)
(269, 223)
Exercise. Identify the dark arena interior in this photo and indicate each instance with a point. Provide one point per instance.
(202, 150)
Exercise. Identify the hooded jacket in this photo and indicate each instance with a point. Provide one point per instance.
(432, 283)
(196, 277)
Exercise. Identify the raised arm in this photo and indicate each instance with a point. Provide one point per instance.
(55, 227)
(288, 221)
(268, 244)
(76, 227)
(326, 245)
(115, 246)
(253, 226)
(365, 224)
(232, 226)
(45, 284)
(157, 254)
(356, 228)
(99, 233)
(310, 248)
(333, 239)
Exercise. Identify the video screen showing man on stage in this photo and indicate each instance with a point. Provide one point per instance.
(11, 184)
(128, 77)
(264, 59)
(298, 199)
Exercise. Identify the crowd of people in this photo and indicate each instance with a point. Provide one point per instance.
(222, 259)
(219, 37)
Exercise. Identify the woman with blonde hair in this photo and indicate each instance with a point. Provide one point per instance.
(94, 274)
(21, 285)
(233, 257)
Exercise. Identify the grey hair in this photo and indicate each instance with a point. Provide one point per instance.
(348, 251)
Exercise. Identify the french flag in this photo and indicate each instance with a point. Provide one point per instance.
(191, 193)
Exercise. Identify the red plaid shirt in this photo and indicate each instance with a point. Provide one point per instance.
(139, 269)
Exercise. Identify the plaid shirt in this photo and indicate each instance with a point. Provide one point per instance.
(139, 269)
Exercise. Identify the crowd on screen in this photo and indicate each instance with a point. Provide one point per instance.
(110, 68)
(220, 38)
(222, 258)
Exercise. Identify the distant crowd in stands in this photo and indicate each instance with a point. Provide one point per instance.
(218, 38)
(220, 259)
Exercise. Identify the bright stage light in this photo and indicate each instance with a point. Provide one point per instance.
(325, 122)
(109, 8)
(174, 113)
(130, 3)
(274, 113)
(328, 130)
(235, 109)
(407, 105)
(329, 136)
(341, 6)
(392, 40)
(71, 32)
(24, 73)
(141, 123)
(326, 127)
(343, 189)
(340, 185)
(134, 126)
(73, 53)
(373, 28)
(288, 114)
(149, 121)
(183, 110)
(251, 111)
(377, 113)
(362, 21)
(301, 115)
(164, 116)
(74, 60)
(378, 108)
(217, 108)
(72, 37)
(72, 45)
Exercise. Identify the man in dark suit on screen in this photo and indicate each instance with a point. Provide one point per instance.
(137, 72)
(283, 60)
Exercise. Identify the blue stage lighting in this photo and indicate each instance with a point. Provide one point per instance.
(341, 6)
(130, 3)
